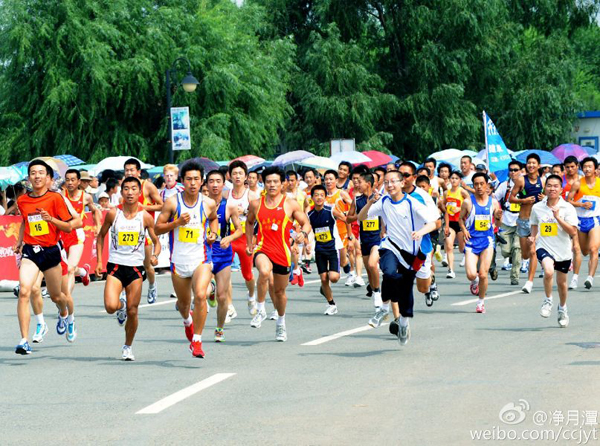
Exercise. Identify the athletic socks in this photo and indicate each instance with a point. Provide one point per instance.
(281, 320)
(40, 318)
(81, 272)
(386, 307)
(562, 308)
(297, 271)
(331, 302)
(187, 322)
(260, 306)
(70, 318)
(197, 338)
(479, 301)
(403, 321)
(152, 285)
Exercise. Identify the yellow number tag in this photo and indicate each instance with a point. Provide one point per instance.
(515, 207)
(37, 226)
(242, 224)
(482, 224)
(323, 235)
(189, 235)
(548, 229)
(128, 238)
(370, 225)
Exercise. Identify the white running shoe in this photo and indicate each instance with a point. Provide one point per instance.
(231, 311)
(280, 333)
(351, 279)
(377, 302)
(403, 334)
(451, 274)
(462, 262)
(274, 315)
(527, 287)
(152, 293)
(507, 266)
(252, 307)
(40, 332)
(573, 285)
(127, 354)
(546, 309)
(258, 319)
(563, 318)
(358, 282)
(589, 282)
(330, 310)
(380, 316)
(445, 261)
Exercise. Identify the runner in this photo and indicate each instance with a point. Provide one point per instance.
(468, 170)
(553, 224)
(253, 183)
(343, 179)
(571, 175)
(310, 178)
(476, 222)
(323, 221)
(125, 271)
(407, 220)
(151, 202)
(451, 203)
(272, 257)
(172, 187)
(74, 240)
(585, 196)
(292, 191)
(186, 217)
(354, 245)
(240, 197)
(527, 191)
(222, 252)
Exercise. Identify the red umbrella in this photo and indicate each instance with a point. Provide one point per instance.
(250, 160)
(377, 158)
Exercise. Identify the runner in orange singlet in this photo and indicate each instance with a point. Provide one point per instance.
(274, 213)
(341, 201)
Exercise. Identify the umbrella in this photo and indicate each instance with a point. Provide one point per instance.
(353, 157)
(565, 150)
(292, 157)
(115, 163)
(377, 158)
(545, 156)
(319, 162)
(261, 166)
(10, 175)
(250, 160)
(70, 160)
(59, 166)
(206, 163)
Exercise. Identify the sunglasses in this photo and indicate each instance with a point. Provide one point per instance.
(407, 175)
(514, 170)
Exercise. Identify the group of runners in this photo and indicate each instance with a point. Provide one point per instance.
(391, 220)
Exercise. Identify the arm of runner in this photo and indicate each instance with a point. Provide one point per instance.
(213, 221)
(364, 212)
(569, 223)
(232, 210)
(303, 221)
(163, 225)
(429, 227)
(352, 217)
(154, 196)
(250, 220)
(96, 214)
(19, 245)
(108, 221)
(149, 224)
(464, 211)
(533, 235)
(573, 193)
(518, 186)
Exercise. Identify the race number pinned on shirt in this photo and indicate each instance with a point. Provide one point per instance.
(274, 227)
(37, 225)
(322, 235)
(593, 208)
(371, 225)
(127, 238)
(482, 222)
(548, 229)
(189, 235)
(514, 207)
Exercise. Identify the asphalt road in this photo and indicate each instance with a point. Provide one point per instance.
(459, 370)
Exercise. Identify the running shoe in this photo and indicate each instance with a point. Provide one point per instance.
(23, 349)
(445, 261)
(394, 327)
(300, 279)
(61, 325)
(428, 299)
(330, 310)
(127, 354)
(462, 262)
(306, 268)
(474, 287)
(189, 331)
(294, 280)
(252, 307)
(86, 278)
(274, 315)
(546, 309)
(121, 313)
(173, 295)
(527, 287)
(196, 349)
(358, 282)
(71, 333)
(480, 308)
(258, 319)
(494, 274)
(40, 332)
(403, 334)
(377, 302)
(380, 316)
(563, 318)
(451, 274)
(16, 290)
(152, 293)
(350, 280)
(438, 254)
(589, 282)
(573, 285)
(45, 293)
(435, 295)
(280, 333)
(507, 265)
(231, 311)
(369, 290)
(524, 266)
(219, 335)
(212, 297)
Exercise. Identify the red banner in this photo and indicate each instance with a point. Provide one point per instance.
(9, 233)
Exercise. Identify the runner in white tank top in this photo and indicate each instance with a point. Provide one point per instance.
(128, 225)
(185, 217)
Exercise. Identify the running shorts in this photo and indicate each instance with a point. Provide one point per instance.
(126, 274)
(586, 224)
(327, 261)
(562, 266)
(281, 270)
(43, 257)
(479, 244)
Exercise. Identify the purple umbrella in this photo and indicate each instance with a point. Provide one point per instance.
(292, 157)
(206, 163)
(565, 150)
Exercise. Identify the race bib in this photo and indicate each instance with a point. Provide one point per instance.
(514, 207)
(593, 204)
(242, 224)
(548, 229)
(189, 235)
(37, 226)
(128, 238)
(323, 235)
(482, 222)
(370, 225)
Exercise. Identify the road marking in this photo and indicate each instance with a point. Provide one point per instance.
(308, 282)
(177, 397)
(156, 304)
(333, 337)
(472, 301)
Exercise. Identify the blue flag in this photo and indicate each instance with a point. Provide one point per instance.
(497, 153)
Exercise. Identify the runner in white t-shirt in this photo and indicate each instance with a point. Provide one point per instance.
(553, 224)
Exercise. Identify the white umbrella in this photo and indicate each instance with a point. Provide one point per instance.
(116, 163)
(319, 162)
(292, 157)
(352, 156)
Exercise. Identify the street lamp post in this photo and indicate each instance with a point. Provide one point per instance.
(189, 84)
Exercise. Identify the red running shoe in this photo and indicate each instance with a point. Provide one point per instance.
(480, 309)
(86, 279)
(300, 279)
(474, 288)
(189, 331)
(196, 349)
(294, 280)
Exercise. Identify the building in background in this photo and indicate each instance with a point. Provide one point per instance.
(586, 130)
